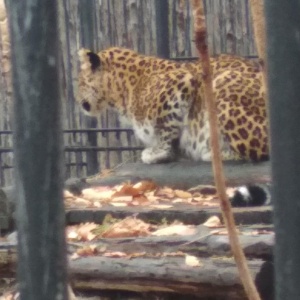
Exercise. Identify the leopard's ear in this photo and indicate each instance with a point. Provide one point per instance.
(89, 59)
(94, 60)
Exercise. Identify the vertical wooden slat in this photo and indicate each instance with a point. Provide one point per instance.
(162, 28)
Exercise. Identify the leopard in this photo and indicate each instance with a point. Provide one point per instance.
(164, 102)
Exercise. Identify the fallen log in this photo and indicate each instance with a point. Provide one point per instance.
(188, 214)
(214, 277)
(157, 264)
(204, 243)
(185, 213)
(201, 245)
(186, 174)
(182, 175)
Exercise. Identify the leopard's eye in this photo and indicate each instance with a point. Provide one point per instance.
(86, 105)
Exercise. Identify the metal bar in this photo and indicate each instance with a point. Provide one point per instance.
(42, 270)
(102, 130)
(2, 168)
(78, 149)
(283, 27)
(67, 164)
(88, 148)
(162, 28)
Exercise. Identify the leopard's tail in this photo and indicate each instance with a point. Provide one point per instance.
(251, 195)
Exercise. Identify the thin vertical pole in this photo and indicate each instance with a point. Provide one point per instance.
(88, 40)
(283, 53)
(38, 149)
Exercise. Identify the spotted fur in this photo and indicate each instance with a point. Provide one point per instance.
(163, 100)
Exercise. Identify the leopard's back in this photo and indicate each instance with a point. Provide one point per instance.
(164, 102)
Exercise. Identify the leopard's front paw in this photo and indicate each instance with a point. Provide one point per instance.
(156, 155)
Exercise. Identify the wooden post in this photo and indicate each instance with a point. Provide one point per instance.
(283, 52)
(200, 40)
(38, 144)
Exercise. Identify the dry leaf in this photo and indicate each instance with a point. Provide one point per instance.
(129, 227)
(205, 199)
(165, 192)
(97, 204)
(72, 234)
(82, 232)
(122, 199)
(126, 190)
(97, 194)
(119, 204)
(161, 206)
(173, 254)
(87, 250)
(151, 198)
(68, 194)
(182, 194)
(74, 256)
(10, 296)
(177, 200)
(145, 186)
(257, 232)
(175, 230)
(203, 190)
(85, 231)
(76, 202)
(139, 200)
(115, 254)
(213, 222)
(192, 261)
(135, 255)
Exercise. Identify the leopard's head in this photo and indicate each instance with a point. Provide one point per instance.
(92, 96)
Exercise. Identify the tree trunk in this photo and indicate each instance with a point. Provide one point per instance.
(283, 27)
(42, 271)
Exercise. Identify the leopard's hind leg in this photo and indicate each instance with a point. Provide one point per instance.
(242, 113)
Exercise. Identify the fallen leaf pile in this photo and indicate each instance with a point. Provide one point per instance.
(132, 227)
(110, 228)
(144, 193)
(128, 227)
